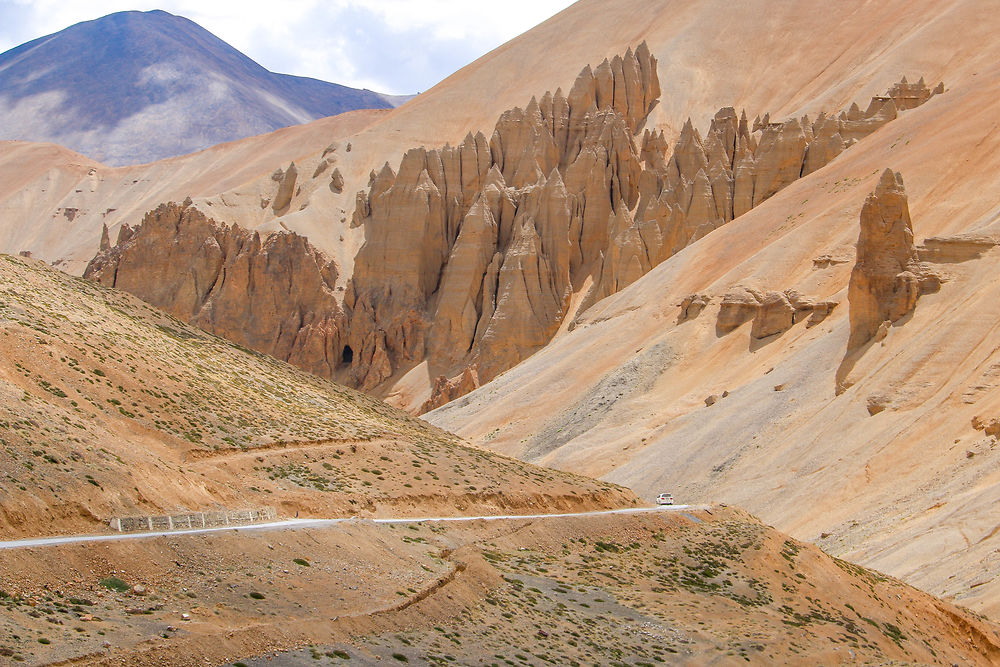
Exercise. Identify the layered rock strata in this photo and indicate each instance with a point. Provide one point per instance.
(273, 294)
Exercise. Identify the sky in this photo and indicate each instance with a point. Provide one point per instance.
(390, 46)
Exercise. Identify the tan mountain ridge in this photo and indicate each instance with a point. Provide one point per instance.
(823, 65)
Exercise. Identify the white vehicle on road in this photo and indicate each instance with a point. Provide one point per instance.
(665, 499)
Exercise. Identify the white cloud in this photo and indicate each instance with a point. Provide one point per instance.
(395, 46)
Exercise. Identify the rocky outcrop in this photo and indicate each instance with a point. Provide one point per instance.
(888, 277)
(989, 426)
(772, 313)
(692, 306)
(472, 253)
(738, 307)
(445, 391)
(286, 188)
(336, 181)
(906, 95)
(956, 249)
(274, 294)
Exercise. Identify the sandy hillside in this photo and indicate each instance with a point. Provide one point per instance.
(704, 587)
(893, 471)
(109, 408)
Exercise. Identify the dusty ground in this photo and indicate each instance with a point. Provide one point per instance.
(110, 407)
(712, 587)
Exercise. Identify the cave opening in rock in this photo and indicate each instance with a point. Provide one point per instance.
(348, 355)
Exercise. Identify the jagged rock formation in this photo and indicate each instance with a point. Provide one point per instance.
(888, 277)
(472, 254)
(274, 295)
(772, 313)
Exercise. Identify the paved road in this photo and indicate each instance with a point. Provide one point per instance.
(292, 524)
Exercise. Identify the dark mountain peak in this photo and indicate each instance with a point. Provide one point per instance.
(139, 86)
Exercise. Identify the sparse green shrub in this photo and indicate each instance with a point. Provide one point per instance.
(114, 584)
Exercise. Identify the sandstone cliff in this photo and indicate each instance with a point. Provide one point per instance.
(274, 294)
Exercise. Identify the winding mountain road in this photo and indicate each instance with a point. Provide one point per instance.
(293, 524)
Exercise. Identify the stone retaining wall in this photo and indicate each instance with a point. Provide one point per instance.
(137, 524)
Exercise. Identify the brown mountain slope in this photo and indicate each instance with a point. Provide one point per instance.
(787, 57)
(897, 470)
(706, 587)
(109, 408)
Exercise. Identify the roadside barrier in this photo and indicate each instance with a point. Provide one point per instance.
(137, 524)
